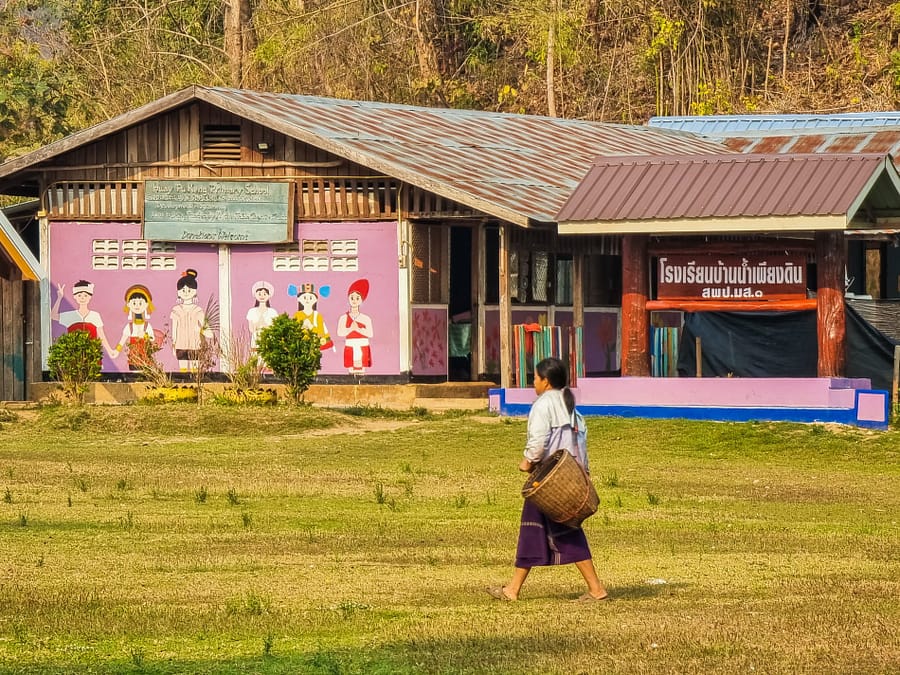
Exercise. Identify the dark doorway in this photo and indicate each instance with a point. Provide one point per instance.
(460, 308)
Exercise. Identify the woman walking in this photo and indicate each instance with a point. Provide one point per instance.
(541, 541)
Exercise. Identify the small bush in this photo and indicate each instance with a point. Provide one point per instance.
(75, 359)
(292, 352)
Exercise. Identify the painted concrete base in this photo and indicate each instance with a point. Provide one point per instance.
(452, 395)
(836, 400)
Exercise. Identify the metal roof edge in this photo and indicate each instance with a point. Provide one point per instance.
(12, 243)
(708, 225)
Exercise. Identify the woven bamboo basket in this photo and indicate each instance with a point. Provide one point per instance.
(561, 489)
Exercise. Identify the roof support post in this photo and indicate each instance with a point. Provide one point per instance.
(831, 320)
(506, 354)
(578, 289)
(635, 318)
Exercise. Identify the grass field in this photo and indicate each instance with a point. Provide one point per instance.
(177, 538)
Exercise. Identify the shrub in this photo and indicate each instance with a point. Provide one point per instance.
(292, 352)
(75, 359)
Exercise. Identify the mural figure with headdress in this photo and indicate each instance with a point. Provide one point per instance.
(82, 317)
(138, 332)
(188, 322)
(261, 315)
(356, 329)
(308, 312)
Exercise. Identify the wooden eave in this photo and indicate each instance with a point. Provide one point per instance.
(16, 250)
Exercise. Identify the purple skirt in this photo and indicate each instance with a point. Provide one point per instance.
(543, 542)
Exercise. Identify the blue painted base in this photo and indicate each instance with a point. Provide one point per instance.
(849, 416)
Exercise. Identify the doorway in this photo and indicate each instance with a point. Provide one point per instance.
(459, 327)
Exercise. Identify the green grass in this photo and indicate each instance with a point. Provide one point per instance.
(361, 542)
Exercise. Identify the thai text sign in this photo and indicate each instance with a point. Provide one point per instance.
(217, 211)
(724, 277)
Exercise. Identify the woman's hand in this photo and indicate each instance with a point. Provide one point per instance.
(526, 466)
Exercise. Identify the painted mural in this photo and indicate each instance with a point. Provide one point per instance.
(429, 341)
(130, 292)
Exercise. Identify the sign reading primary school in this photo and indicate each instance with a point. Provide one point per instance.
(738, 277)
(217, 211)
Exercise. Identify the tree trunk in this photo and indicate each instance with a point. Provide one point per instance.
(551, 58)
(240, 40)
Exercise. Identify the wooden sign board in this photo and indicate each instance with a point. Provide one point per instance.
(218, 211)
(756, 277)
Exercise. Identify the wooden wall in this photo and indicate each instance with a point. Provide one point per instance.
(20, 329)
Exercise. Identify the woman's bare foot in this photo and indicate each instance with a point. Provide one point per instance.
(501, 593)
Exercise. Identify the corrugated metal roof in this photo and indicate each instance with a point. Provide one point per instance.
(716, 186)
(744, 125)
(880, 141)
(520, 168)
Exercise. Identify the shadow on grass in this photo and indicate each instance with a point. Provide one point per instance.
(452, 655)
(643, 591)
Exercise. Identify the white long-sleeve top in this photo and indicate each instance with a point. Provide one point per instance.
(550, 427)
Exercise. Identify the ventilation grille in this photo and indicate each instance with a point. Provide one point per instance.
(221, 142)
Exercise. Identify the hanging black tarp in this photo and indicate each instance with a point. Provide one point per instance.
(870, 353)
(779, 344)
(749, 344)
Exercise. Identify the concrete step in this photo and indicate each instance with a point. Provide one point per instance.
(444, 403)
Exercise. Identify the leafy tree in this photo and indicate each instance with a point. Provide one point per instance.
(75, 360)
(34, 91)
(292, 352)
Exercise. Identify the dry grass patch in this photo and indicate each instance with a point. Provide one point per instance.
(229, 540)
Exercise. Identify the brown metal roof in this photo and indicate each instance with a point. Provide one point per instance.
(520, 168)
(726, 187)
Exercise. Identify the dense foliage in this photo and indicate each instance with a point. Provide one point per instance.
(67, 63)
(75, 360)
(292, 352)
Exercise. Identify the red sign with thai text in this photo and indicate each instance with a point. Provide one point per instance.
(731, 277)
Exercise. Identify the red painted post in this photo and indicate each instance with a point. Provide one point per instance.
(831, 326)
(635, 318)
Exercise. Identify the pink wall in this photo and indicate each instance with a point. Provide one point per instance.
(72, 247)
(71, 252)
(377, 263)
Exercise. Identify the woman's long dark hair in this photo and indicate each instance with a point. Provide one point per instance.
(555, 372)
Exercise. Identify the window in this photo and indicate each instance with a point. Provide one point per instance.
(221, 142)
(429, 259)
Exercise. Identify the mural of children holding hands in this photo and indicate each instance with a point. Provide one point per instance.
(261, 315)
(137, 332)
(188, 323)
(308, 314)
(356, 329)
(82, 317)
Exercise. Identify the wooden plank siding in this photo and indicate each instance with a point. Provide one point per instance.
(111, 173)
(12, 339)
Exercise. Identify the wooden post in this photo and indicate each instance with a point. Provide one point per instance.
(506, 355)
(831, 321)
(896, 376)
(578, 289)
(698, 356)
(478, 292)
(635, 290)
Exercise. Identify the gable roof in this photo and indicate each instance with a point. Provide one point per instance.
(519, 168)
(731, 193)
(17, 251)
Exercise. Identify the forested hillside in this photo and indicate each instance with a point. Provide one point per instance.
(66, 64)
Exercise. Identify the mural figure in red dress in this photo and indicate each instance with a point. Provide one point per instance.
(356, 329)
